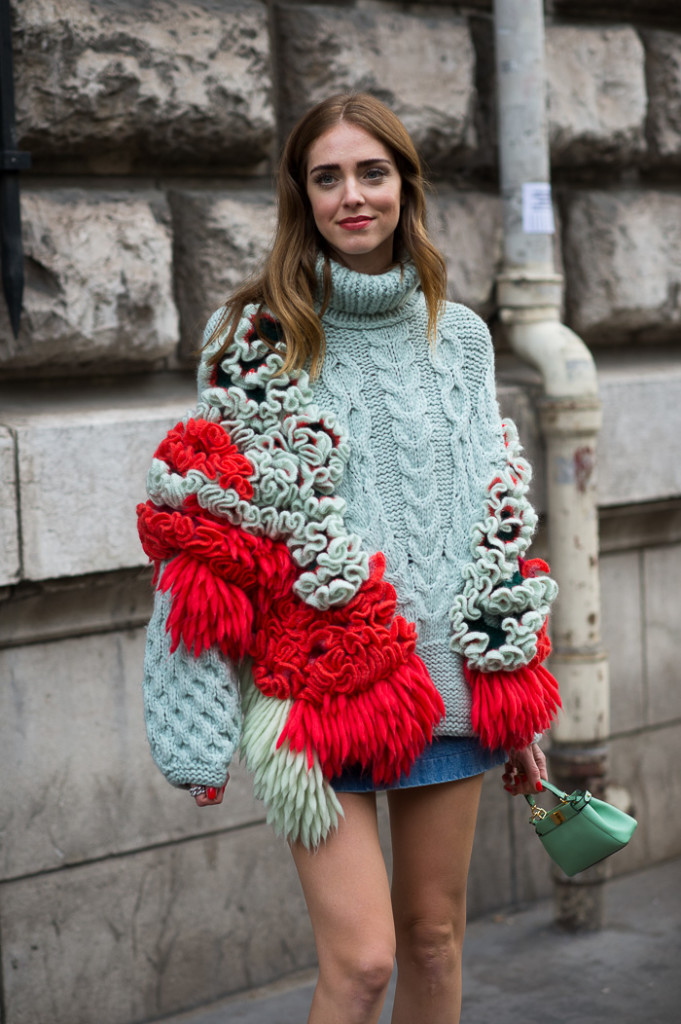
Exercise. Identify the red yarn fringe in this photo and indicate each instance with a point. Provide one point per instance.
(382, 729)
(509, 708)
(363, 695)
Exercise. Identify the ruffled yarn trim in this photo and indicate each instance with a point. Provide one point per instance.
(297, 455)
(499, 618)
(340, 685)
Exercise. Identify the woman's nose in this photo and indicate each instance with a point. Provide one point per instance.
(353, 193)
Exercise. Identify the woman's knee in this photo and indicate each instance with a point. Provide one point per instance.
(433, 948)
(362, 973)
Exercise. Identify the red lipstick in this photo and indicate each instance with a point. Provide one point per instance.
(354, 223)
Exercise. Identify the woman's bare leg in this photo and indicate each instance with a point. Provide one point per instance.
(432, 833)
(348, 897)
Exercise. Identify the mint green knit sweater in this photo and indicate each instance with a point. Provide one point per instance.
(426, 437)
(397, 448)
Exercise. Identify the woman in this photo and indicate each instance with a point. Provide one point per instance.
(339, 533)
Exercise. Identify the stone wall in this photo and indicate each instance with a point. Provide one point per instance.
(154, 128)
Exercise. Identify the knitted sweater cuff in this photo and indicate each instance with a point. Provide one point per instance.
(191, 706)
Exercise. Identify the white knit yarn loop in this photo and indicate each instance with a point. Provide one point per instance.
(298, 454)
(495, 594)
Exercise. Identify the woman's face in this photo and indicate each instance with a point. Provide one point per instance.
(355, 192)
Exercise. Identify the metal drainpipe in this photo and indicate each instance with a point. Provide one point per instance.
(529, 296)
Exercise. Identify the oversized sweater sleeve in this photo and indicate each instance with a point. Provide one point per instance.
(499, 618)
(191, 693)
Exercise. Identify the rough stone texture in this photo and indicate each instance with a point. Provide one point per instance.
(662, 611)
(220, 239)
(467, 227)
(130, 939)
(98, 282)
(9, 547)
(623, 639)
(639, 445)
(81, 472)
(622, 254)
(596, 94)
(422, 67)
(76, 759)
(113, 84)
(663, 64)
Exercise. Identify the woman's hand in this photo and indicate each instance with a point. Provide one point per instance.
(523, 770)
(208, 796)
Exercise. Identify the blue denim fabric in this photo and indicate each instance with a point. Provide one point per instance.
(446, 759)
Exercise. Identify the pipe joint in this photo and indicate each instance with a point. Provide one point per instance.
(571, 417)
(524, 290)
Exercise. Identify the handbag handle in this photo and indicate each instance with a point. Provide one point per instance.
(560, 793)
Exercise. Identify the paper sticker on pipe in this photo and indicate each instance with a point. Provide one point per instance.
(537, 208)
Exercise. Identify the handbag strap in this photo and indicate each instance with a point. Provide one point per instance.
(560, 793)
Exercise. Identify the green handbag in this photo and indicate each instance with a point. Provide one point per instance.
(580, 830)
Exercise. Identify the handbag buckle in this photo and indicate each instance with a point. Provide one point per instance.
(557, 816)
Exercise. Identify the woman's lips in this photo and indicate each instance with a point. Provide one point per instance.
(354, 223)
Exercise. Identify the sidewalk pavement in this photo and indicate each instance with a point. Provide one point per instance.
(520, 969)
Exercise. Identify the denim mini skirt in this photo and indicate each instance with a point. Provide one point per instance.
(446, 759)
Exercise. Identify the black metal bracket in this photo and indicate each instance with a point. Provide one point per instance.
(11, 162)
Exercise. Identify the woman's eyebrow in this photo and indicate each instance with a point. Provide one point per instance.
(360, 163)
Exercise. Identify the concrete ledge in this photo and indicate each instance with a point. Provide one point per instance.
(82, 460)
(9, 524)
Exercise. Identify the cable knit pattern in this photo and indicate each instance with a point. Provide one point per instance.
(191, 706)
(426, 438)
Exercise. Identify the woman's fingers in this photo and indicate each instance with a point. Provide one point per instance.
(208, 796)
(524, 770)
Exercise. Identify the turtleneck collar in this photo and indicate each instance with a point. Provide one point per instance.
(369, 294)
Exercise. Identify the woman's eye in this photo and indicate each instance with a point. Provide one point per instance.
(324, 179)
(375, 173)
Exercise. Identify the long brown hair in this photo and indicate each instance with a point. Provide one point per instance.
(287, 284)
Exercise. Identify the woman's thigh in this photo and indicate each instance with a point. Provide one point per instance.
(346, 888)
(432, 831)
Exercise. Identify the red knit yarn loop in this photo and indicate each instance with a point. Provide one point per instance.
(509, 708)
(207, 447)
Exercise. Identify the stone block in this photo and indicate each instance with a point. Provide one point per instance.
(622, 253)
(220, 239)
(9, 548)
(99, 290)
(114, 86)
(639, 446)
(646, 765)
(596, 94)
(622, 634)
(77, 762)
(663, 63)
(662, 611)
(467, 228)
(82, 464)
(130, 939)
(423, 67)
